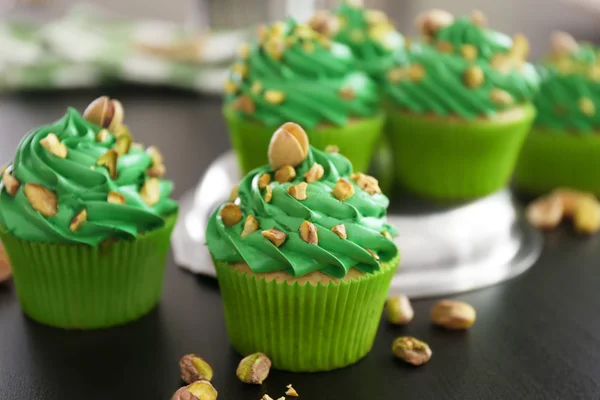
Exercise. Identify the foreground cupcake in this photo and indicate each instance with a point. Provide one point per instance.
(294, 73)
(563, 148)
(304, 257)
(368, 33)
(460, 108)
(85, 218)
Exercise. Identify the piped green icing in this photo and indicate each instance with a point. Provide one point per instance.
(363, 215)
(441, 90)
(80, 184)
(371, 36)
(569, 81)
(318, 79)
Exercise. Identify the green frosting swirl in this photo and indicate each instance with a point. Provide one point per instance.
(371, 36)
(363, 215)
(80, 184)
(569, 95)
(431, 79)
(296, 74)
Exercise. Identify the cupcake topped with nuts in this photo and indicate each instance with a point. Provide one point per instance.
(462, 68)
(369, 33)
(570, 90)
(83, 180)
(295, 73)
(304, 212)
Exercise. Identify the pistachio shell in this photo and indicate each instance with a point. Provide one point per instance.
(289, 146)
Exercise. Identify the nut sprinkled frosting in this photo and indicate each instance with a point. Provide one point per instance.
(278, 79)
(77, 181)
(462, 68)
(317, 215)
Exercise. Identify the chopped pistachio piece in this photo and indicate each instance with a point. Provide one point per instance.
(275, 236)
(231, 214)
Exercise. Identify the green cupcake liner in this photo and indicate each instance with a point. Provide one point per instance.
(304, 328)
(84, 287)
(454, 159)
(551, 159)
(356, 140)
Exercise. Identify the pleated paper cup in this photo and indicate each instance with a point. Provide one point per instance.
(356, 140)
(550, 160)
(454, 159)
(85, 287)
(304, 327)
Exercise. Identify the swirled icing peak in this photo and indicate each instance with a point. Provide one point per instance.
(294, 73)
(76, 182)
(569, 95)
(462, 68)
(306, 212)
(369, 33)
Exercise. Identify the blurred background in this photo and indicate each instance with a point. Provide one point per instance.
(48, 44)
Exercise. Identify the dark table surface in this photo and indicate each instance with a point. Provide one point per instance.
(536, 337)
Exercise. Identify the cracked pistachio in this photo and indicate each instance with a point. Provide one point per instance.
(105, 112)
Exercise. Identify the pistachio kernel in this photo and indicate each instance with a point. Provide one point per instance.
(199, 390)
(250, 226)
(123, 144)
(115, 198)
(78, 220)
(473, 77)
(387, 235)
(587, 106)
(267, 397)
(108, 160)
(291, 391)
(268, 194)
(150, 191)
(285, 174)
(373, 254)
(234, 193)
(157, 171)
(399, 310)
(240, 69)
(298, 191)
(375, 17)
(347, 93)
(395, 75)
(243, 50)
(415, 72)
(231, 214)
(230, 87)
(264, 180)
(155, 155)
(102, 135)
(274, 96)
(501, 97)
(275, 236)
(332, 149)
(195, 368)
(11, 184)
(367, 183)
(256, 87)
(478, 18)
(453, 314)
(587, 215)
(430, 22)
(315, 173)
(245, 104)
(411, 350)
(520, 47)
(545, 212)
(41, 199)
(53, 144)
(308, 233)
(343, 190)
(340, 230)
(121, 130)
(469, 52)
(445, 46)
(254, 369)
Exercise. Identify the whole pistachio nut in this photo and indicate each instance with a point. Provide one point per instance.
(195, 368)
(105, 112)
(199, 390)
(411, 350)
(254, 369)
(231, 214)
(453, 314)
(11, 184)
(108, 160)
(288, 146)
(399, 310)
(150, 191)
(41, 199)
(324, 23)
(569, 199)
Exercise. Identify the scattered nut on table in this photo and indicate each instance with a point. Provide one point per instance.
(254, 369)
(453, 314)
(411, 350)
(199, 390)
(399, 310)
(195, 368)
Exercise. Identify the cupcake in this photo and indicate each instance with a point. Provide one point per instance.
(368, 33)
(304, 257)
(85, 218)
(459, 108)
(294, 73)
(563, 147)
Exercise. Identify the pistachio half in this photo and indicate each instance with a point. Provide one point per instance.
(41, 199)
(453, 314)
(195, 368)
(254, 369)
(199, 390)
(411, 350)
